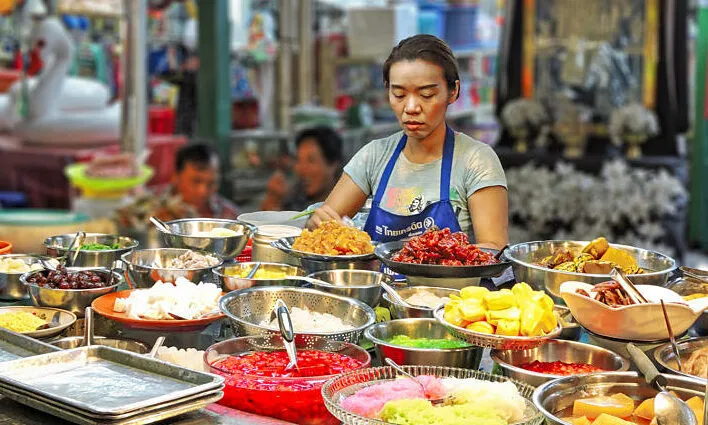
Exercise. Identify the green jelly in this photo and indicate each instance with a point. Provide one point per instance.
(406, 341)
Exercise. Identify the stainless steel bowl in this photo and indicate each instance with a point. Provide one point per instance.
(555, 398)
(231, 282)
(686, 285)
(123, 344)
(571, 328)
(73, 300)
(399, 311)
(381, 333)
(664, 355)
(556, 350)
(188, 233)
(523, 257)
(248, 308)
(11, 287)
(363, 285)
(58, 245)
(147, 266)
(619, 346)
(313, 266)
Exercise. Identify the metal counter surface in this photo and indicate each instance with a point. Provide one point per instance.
(12, 413)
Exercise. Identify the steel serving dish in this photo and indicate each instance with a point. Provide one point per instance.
(664, 355)
(619, 346)
(232, 282)
(399, 311)
(147, 266)
(58, 245)
(337, 389)
(11, 287)
(126, 382)
(64, 319)
(147, 416)
(380, 333)
(192, 233)
(247, 308)
(385, 252)
(131, 345)
(363, 285)
(556, 350)
(523, 257)
(73, 300)
(320, 262)
(558, 395)
(685, 286)
(14, 346)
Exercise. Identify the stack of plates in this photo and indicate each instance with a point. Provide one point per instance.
(102, 385)
(14, 346)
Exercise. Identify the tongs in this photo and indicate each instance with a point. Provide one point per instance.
(632, 292)
(286, 331)
(75, 246)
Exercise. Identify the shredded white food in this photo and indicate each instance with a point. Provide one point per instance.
(501, 397)
(311, 321)
(182, 298)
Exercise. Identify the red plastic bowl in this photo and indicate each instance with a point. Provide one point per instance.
(293, 399)
(5, 247)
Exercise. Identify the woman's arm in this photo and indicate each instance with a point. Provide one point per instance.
(345, 199)
(489, 210)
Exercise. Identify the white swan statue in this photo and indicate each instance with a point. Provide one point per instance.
(61, 110)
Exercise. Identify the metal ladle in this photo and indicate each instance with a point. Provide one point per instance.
(668, 409)
(160, 224)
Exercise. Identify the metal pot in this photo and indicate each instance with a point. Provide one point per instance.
(264, 252)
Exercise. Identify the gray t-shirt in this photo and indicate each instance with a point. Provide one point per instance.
(413, 186)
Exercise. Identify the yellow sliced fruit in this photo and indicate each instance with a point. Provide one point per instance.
(618, 405)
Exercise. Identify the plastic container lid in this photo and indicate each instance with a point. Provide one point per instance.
(278, 231)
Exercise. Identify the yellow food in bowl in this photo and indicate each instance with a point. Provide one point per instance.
(260, 273)
(20, 321)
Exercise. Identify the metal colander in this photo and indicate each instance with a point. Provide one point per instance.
(247, 308)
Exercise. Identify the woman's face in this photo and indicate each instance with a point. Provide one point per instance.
(419, 96)
(316, 174)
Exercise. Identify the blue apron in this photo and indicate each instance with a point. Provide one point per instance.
(384, 226)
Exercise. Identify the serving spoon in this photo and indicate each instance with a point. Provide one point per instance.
(397, 298)
(668, 409)
(285, 323)
(674, 347)
(400, 370)
(160, 225)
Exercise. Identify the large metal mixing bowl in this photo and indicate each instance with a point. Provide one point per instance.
(363, 285)
(228, 275)
(523, 257)
(664, 355)
(555, 398)
(58, 245)
(380, 334)
(556, 350)
(11, 287)
(193, 233)
(147, 266)
(73, 300)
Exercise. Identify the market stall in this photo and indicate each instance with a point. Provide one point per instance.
(233, 330)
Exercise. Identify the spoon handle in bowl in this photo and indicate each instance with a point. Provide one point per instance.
(646, 367)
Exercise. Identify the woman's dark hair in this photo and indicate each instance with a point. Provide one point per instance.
(200, 155)
(428, 48)
(327, 139)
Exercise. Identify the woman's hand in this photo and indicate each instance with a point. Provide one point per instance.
(322, 214)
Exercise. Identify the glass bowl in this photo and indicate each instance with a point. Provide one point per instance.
(293, 399)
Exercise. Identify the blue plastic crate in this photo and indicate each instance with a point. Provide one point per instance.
(461, 27)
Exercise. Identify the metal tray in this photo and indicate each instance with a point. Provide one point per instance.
(105, 381)
(147, 418)
(385, 251)
(286, 245)
(14, 346)
(11, 391)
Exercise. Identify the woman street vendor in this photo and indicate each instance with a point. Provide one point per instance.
(427, 175)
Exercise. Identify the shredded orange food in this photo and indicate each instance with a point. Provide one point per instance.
(334, 238)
